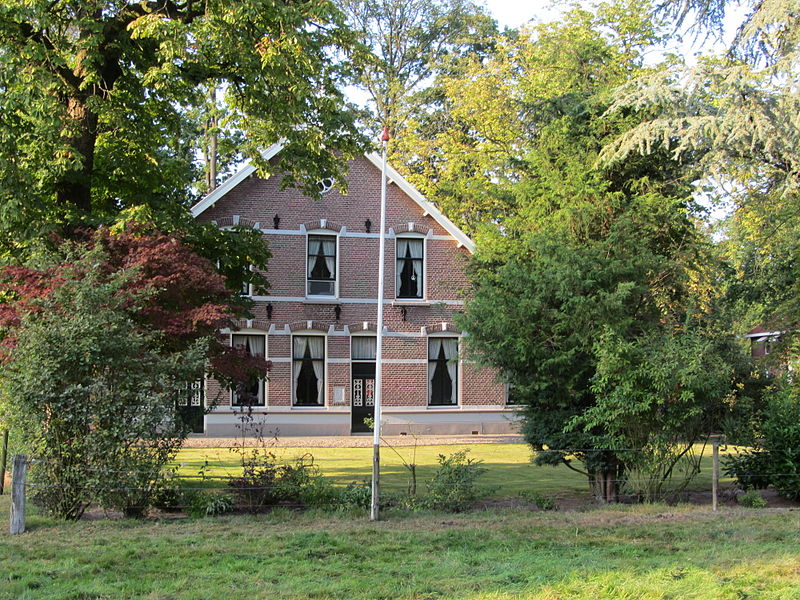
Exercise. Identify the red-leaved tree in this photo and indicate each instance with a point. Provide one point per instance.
(99, 339)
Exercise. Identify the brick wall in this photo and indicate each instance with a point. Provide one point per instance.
(256, 201)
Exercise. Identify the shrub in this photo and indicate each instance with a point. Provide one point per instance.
(266, 483)
(752, 499)
(750, 469)
(453, 487)
(775, 458)
(98, 340)
(541, 501)
(355, 495)
(210, 504)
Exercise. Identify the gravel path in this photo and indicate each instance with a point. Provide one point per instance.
(359, 441)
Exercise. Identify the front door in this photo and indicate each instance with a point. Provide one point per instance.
(363, 396)
(190, 407)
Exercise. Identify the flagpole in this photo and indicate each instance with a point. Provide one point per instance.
(376, 439)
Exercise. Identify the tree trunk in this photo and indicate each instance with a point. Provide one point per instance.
(75, 189)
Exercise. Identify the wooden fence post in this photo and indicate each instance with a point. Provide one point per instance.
(19, 469)
(3, 459)
(715, 439)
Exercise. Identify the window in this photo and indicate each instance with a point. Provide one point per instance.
(325, 185)
(321, 271)
(363, 347)
(443, 371)
(250, 392)
(247, 288)
(409, 267)
(308, 370)
(512, 396)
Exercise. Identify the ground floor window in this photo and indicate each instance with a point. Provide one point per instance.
(251, 391)
(442, 371)
(308, 370)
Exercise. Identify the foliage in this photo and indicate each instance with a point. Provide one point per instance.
(265, 483)
(452, 487)
(660, 393)
(595, 294)
(735, 117)
(99, 339)
(470, 152)
(408, 41)
(775, 457)
(541, 501)
(750, 469)
(210, 504)
(98, 98)
(752, 499)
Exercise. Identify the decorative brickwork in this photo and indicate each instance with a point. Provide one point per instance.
(408, 323)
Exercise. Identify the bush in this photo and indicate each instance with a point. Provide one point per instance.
(775, 459)
(541, 501)
(265, 483)
(751, 469)
(355, 495)
(210, 504)
(752, 499)
(453, 487)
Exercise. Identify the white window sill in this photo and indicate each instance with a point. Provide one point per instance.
(321, 300)
(410, 302)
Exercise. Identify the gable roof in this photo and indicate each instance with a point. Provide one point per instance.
(428, 208)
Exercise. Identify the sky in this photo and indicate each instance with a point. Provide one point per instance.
(514, 13)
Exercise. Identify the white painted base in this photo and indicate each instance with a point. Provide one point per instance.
(395, 422)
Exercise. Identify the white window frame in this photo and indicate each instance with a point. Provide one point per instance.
(336, 279)
(293, 403)
(459, 371)
(262, 383)
(247, 287)
(424, 240)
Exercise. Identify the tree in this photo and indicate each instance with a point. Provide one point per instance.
(598, 277)
(736, 117)
(96, 99)
(99, 340)
(409, 41)
(469, 154)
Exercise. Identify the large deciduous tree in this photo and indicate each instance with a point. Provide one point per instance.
(100, 337)
(594, 291)
(409, 43)
(96, 98)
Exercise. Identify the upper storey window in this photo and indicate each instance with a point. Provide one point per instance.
(409, 269)
(321, 270)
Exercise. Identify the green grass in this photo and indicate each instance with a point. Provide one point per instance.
(509, 471)
(623, 553)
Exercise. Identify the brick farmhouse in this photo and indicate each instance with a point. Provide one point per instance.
(317, 325)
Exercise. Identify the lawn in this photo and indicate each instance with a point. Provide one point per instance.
(509, 471)
(651, 552)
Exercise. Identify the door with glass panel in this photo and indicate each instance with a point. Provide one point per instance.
(362, 356)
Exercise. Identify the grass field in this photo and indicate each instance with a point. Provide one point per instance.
(651, 552)
(509, 471)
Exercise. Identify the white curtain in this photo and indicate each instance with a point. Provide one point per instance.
(364, 348)
(434, 345)
(451, 354)
(450, 346)
(317, 347)
(298, 350)
(414, 248)
(252, 344)
(329, 248)
(313, 250)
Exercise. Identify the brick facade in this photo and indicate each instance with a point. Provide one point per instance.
(409, 323)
